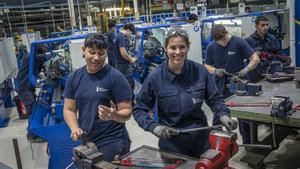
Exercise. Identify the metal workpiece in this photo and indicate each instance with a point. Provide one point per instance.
(199, 129)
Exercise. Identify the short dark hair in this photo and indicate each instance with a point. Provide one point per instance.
(95, 40)
(193, 18)
(41, 49)
(129, 26)
(111, 24)
(260, 18)
(218, 31)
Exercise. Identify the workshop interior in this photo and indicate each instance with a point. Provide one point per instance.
(48, 48)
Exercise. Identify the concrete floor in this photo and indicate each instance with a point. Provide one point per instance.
(286, 157)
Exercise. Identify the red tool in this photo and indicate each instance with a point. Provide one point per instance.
(246, 104)
(267, 55)
(223, 147)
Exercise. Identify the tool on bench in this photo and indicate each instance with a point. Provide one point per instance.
(267, 55)
(223, 147)
(242, 87)
(166, 163)
(87, 156)
(281, 106)
(247, 104)
(199, 129)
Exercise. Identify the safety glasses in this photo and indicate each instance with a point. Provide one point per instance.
(176, 31)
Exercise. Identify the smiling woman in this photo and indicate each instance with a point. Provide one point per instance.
(179, 87)
(101, 95)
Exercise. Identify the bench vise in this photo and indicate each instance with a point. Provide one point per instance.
(244, 88)
(87, 156)
(281, 106)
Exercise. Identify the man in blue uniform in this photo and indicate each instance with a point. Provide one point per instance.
(111, 43)
(262, 41)
(180, 86)
(228, 54)
(124, 60)
(101, 97)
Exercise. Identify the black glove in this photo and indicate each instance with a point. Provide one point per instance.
(219, 72)
(164, 132)
(229, 123)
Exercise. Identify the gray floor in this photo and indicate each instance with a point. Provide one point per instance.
(286, 157)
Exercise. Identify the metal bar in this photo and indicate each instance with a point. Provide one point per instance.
(257, 146)
(199, 129)
(253, 132)
(17, 153)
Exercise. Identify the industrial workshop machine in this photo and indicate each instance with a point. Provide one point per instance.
(8, 71)
(223, 148)
(47, 119)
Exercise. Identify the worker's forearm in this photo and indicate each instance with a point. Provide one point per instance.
(210, 68)
(126, 56)
(71, 119)
(123, 115)
(254, 61)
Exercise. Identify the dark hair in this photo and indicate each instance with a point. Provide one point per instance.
(95, 40)
(41, 49)
(248, 9)
(260, 18)
(177, 32)
(129, 26)
(218, 31)
(193, 18)
(111, 24)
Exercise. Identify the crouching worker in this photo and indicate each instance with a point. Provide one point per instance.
(100, 96)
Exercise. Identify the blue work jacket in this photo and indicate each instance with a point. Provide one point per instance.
(179, 97)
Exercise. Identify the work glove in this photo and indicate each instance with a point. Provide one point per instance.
(219, 72)
(229, 123)
(164, 132)
(243, 72)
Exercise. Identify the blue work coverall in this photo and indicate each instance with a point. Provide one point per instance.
(179, 100)
(268, 44)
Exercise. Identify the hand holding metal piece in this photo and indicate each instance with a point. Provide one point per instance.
(164, 132)
(198, 129)
(229, 123)
(243, 72)
(76, 134)
(220, 72)
(235, 76)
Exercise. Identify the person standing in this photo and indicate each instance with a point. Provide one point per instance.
(100, 97)
(124, 60)
(180, 86)
(262, 41)
(111, 43)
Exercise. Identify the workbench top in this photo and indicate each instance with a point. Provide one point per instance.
(262, 114)
(151, 154)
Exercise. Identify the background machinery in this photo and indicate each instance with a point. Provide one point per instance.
(47, 119)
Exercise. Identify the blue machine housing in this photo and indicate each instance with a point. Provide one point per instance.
(47, 119)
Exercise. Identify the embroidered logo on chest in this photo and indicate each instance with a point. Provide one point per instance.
(195, 101)
(231, 52)
(100, 89)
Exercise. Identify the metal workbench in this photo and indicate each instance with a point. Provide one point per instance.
(261, 115)
(154, 154)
